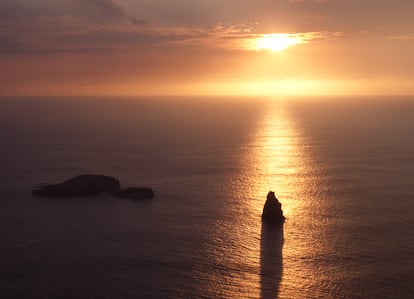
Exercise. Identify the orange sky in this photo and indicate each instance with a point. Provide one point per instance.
(125, 47)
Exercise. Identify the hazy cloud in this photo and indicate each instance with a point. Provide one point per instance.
(314, 1)
(136, 21)
(75, 33)
(409, 36)
(108, 7)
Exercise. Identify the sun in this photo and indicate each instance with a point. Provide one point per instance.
(275, 41)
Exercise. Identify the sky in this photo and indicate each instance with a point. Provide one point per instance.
(206, 47)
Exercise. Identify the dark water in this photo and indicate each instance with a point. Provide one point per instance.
(343, 169)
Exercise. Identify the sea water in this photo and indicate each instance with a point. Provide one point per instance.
(342, 167)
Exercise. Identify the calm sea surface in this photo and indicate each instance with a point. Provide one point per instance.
(343, 169)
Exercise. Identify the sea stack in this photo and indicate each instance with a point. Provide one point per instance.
(272, 210)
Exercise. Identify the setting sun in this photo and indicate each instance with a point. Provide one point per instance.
(276, 41)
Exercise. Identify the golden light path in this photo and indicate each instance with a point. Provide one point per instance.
(278, 161)
(270, 159)
(255, 261)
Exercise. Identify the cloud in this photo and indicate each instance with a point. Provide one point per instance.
(108, 7)
(409, 36)
(136, 21)
(234, 37)
(308, 1)
(71, 33)
(75, 33)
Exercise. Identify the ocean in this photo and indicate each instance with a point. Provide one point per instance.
(342, 167)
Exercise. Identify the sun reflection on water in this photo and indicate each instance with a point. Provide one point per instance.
(274, 161)
(257, 262)
(271, 159)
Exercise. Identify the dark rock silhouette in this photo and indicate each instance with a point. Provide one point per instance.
(81, 185)
(92, 185)
(272, 210)
(135, 193)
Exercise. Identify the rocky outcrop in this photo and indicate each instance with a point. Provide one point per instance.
(272, 210)
(92, 185)
(135, 193)
(81, 185)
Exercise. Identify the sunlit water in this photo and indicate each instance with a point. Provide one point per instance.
(343, 169)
